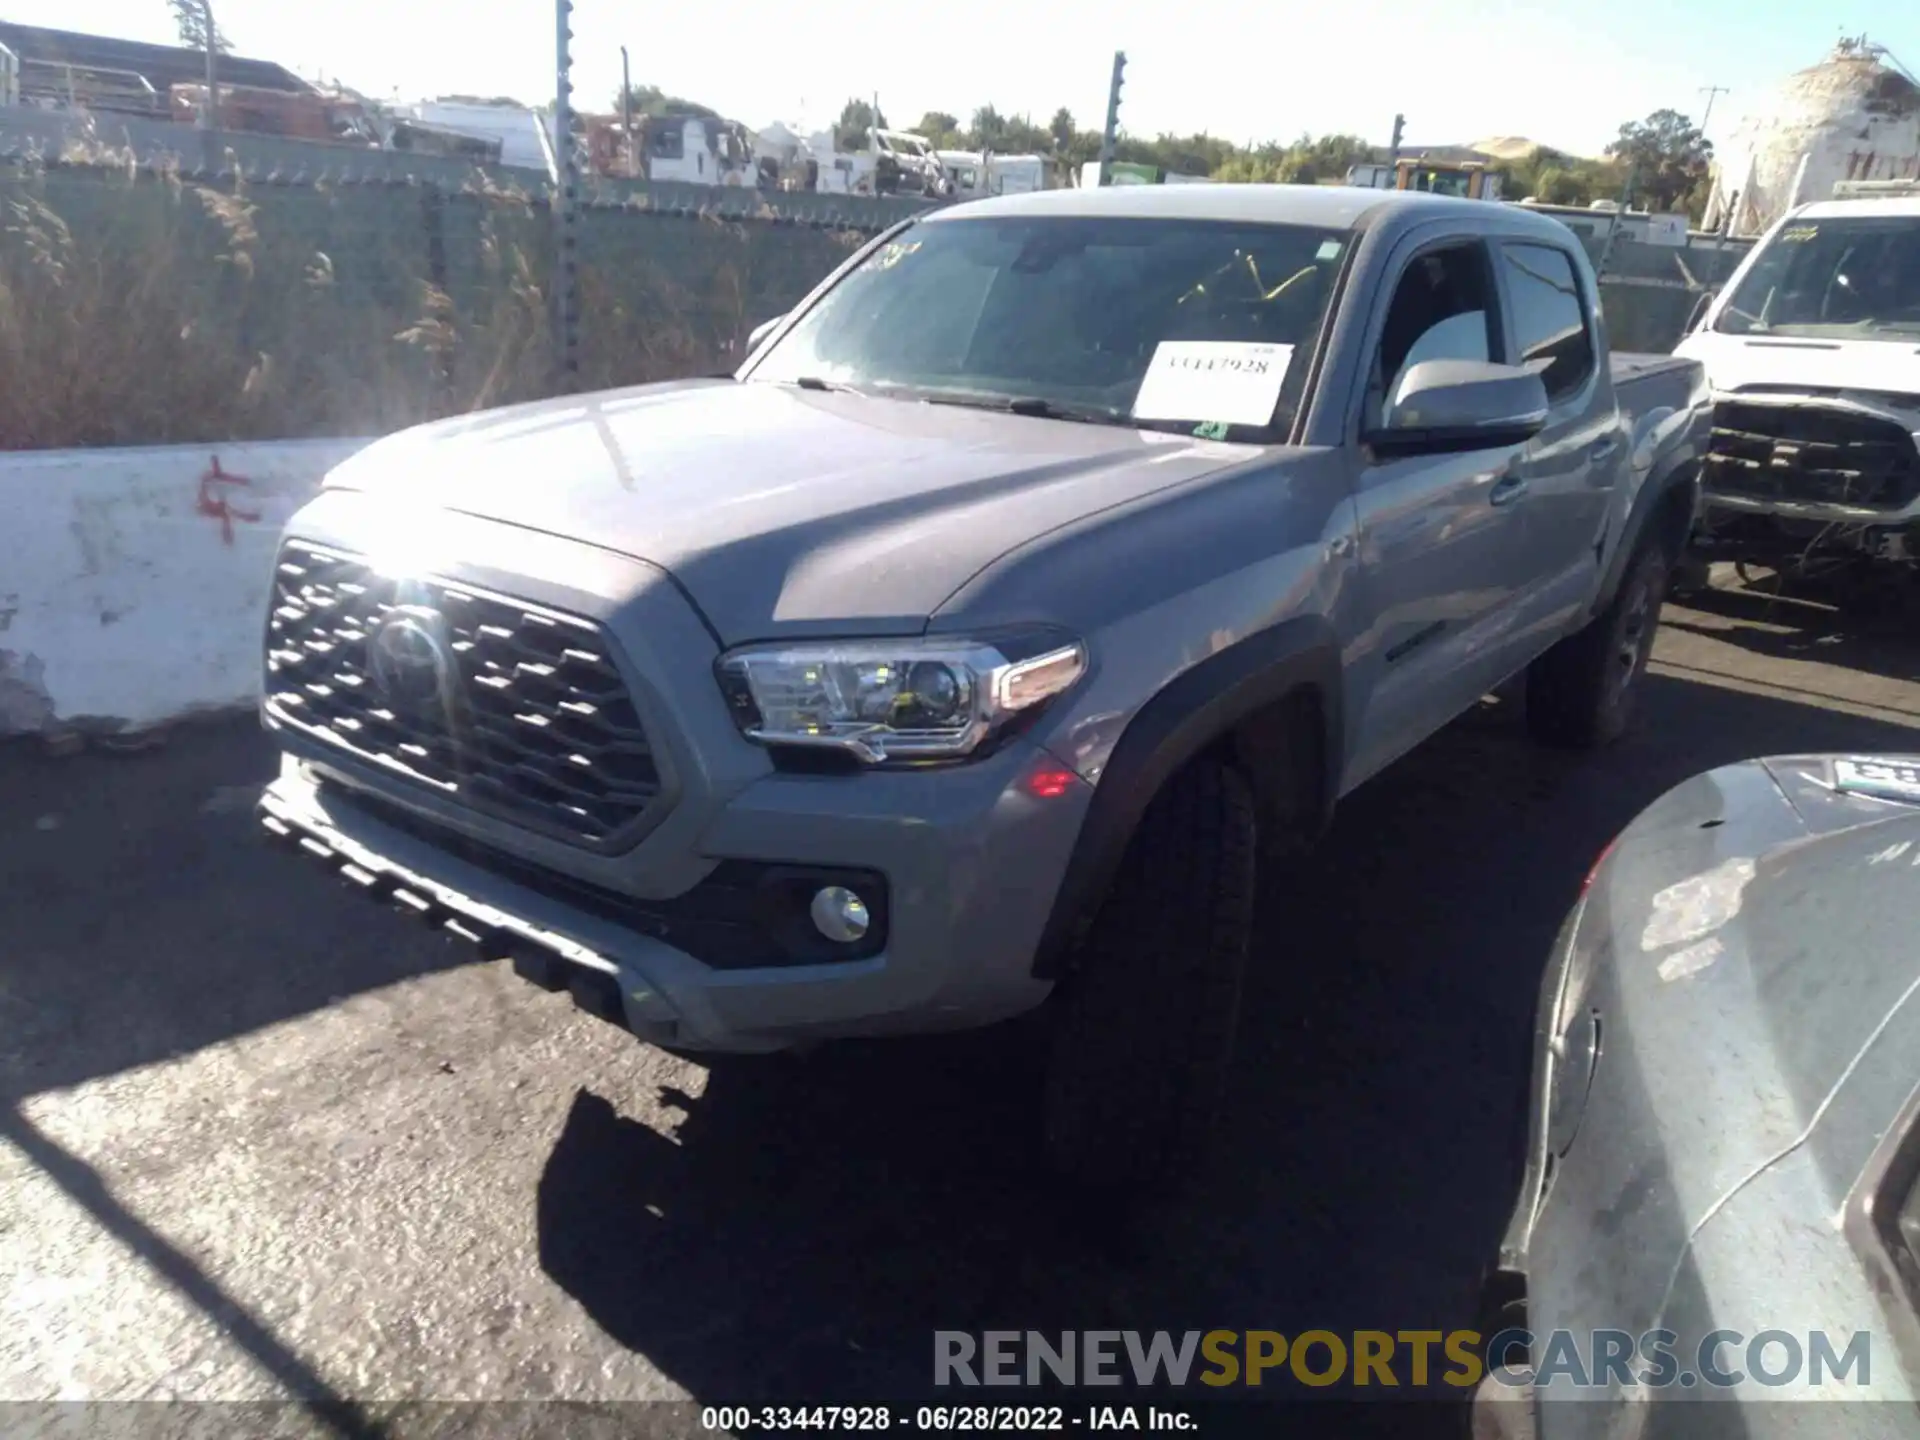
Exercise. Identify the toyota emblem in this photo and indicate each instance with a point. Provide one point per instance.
(409, 658)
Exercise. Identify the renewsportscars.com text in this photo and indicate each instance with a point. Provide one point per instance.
(1415, 1359)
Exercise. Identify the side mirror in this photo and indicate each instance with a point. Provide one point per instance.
(761, 331)
(1451, 405)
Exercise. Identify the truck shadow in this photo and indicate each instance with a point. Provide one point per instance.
(811, 1224)
(1806, 627)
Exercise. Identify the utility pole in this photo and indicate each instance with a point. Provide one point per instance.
(1111, 134)
(1712, 92)
(626, 113)
(208, 119)
(566, 192)
(1393, 149)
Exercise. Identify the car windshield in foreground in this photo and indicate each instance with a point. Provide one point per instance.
(1848, 278)
(1164, 323)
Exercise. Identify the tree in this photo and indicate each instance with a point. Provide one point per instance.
(940, 128)
(856, 118)
(642, 97)
(1060, 130)
(1668, 159)
(1084, 146)
(989, 129)
(652, 100)
(1022, 137)
(190, 19)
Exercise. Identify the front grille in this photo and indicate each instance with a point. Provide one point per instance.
(501, 706)
(1812, 454)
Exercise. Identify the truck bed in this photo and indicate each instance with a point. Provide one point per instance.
(1648, 382)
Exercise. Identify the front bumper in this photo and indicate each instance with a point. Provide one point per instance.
(963, 914)
(1831, 459)
(970, 857)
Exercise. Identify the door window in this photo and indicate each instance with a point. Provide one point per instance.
(1550, 322)
(1442, 310)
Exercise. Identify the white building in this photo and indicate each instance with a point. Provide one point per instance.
(1854, 116)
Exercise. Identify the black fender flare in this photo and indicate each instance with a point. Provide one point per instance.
(1198, 707)
(1673, 473)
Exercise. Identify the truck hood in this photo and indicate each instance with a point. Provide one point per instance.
(1740, 362)
(779, 510)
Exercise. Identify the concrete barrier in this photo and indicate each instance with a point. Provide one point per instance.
(133, 581)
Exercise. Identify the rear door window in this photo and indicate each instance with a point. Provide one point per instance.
(1551, 328)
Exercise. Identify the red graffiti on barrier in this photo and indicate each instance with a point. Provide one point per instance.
(213, 503)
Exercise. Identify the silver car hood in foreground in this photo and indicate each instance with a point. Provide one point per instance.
(1763, 927)
(1741, 1013)
(777, 508)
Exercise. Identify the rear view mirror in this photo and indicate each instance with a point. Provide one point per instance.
(1450, 405)
(761, 331)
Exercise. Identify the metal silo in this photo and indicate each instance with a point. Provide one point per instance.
(1854, 116)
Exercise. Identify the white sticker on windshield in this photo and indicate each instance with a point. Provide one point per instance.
(1200, 380)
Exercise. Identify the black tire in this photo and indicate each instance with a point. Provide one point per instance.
(1580, 693)
(1143, 1038)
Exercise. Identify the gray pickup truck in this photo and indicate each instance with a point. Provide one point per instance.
(1056, 561)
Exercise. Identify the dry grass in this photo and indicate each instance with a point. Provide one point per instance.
(142, 308)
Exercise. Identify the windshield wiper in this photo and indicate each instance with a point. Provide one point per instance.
(814, 382)
(1031, 405)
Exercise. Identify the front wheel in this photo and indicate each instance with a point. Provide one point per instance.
(1581, 692)
(1146, 1023)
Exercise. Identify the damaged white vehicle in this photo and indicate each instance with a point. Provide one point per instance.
(1813, 354)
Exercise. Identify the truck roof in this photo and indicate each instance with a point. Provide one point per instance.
(1333, 206)
(1339, 207)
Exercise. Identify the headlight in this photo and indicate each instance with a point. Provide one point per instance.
(896, 700)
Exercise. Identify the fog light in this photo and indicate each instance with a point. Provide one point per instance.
(839, 914)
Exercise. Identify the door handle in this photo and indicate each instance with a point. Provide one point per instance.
(1604, 449)
(1509, 489)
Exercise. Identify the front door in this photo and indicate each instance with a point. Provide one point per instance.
(1438, 534)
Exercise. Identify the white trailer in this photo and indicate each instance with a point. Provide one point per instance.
(517, 129)
(974, 172)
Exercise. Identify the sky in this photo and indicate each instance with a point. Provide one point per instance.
(1566, 73)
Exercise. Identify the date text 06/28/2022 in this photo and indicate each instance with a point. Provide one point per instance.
(742, 1419)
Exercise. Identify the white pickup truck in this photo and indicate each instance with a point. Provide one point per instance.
(1813, 354)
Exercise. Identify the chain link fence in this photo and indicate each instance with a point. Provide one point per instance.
(1649, 291)
(283, 290)
(149, 300)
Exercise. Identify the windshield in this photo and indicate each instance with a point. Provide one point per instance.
(1166, 323)
(1850, 278)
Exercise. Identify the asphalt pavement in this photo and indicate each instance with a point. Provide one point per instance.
(259, 1139)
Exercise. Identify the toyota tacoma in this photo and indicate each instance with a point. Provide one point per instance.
(1058, 559)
